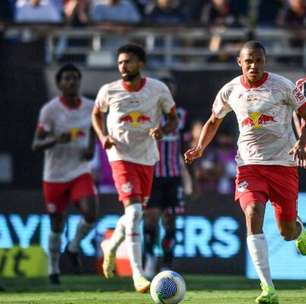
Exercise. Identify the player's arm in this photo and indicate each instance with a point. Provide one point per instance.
(299, 149)
(170, 125)
(89, 152)
(44, 140)
(98, 119)
(208, 132)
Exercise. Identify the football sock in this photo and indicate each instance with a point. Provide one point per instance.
(168, 244)
(149, 239)
(258, 249)
(118, 235)
(133, 215)
(81, 231)
(54, 249)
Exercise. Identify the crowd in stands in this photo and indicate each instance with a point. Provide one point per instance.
(229, 13)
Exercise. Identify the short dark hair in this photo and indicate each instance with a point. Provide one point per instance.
(64, 68)
(134, 49)
(254, 44)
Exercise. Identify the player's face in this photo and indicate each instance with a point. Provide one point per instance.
(252, 63)
(129, 66)
(70, 83)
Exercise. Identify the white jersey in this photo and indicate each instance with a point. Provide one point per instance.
(264, 114)
(63, 162)
(130, 117)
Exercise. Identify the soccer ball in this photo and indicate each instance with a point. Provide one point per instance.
(168, 287)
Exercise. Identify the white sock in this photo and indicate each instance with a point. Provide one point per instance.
(118, 235)
(81, 231)
(258, 249)
(133, 216)
(54, 252)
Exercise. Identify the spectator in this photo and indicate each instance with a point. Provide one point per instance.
(293, 15)
(114, 10)
(76, 12)
(37, 11)
(268, 12)
(221, 13)
(168, 12)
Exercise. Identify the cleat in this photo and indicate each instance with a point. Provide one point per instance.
(150, 266)
(75, 260)
(268, 295)
(108, 265)
(141, 284)
(301, 240)
(54, 279)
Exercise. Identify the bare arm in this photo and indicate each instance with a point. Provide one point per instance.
(299, 149)
(89, 152)
(208, 132)
(170, 126)
(99, 125)
(44, 140)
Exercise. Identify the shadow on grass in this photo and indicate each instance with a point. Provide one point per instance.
(98, 284)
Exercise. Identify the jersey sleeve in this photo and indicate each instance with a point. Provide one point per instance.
(166, 100)
(221, 106)
(45, 119)
(101, 101)
(295, 96)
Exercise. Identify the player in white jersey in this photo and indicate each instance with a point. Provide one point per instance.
(135, 106)
(267, 156)
(65, 135)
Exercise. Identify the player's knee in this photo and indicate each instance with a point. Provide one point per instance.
(253, 212)
(288, 234)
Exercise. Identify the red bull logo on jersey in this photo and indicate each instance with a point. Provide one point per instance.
(135, 119)
(256, 120)
(76, 133)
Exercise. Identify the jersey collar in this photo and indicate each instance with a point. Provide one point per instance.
(139, 86)
(68, 105)
(256, 84)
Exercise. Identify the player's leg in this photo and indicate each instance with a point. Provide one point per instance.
(168, 241)
(83, 195)
(173, 204)
(151, 229)
(284, 195)
(54, 247)
(129, 186)
(56, 200)
(251, 191)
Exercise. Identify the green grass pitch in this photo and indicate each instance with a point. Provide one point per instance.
(96, 290)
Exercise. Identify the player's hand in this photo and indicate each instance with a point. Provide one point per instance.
(298, 151)
(87, 154)
(192, 154)
(63, 138)
(156, 133)
(108, 142)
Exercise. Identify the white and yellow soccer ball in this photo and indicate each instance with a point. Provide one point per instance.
(168, 287)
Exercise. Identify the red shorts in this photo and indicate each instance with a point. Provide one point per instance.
(132, 179)
(58, 195)
(279, 184)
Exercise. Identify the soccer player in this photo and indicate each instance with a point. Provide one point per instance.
(298, 121)
(268, 154)
(65, 135)
(135, 105)
(167, 198)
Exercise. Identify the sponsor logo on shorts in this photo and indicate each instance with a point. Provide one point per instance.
(242, 186)
(51, 207)
(127, 187)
